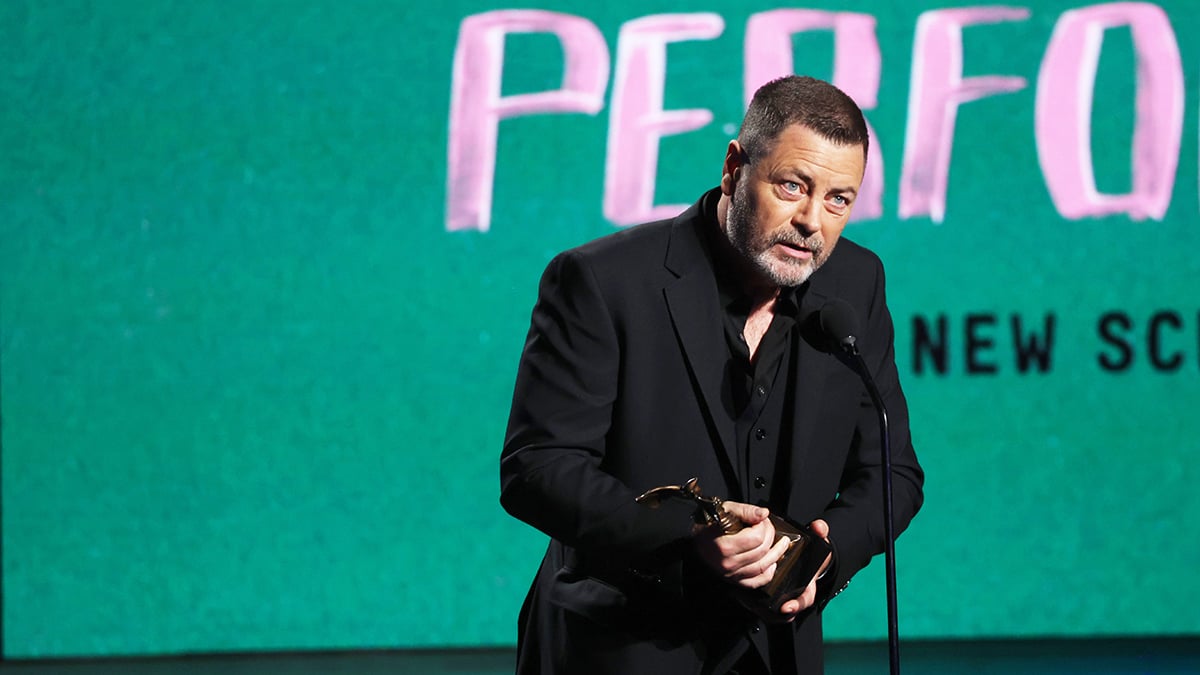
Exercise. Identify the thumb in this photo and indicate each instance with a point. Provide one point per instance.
(747, 513)
(820, 528)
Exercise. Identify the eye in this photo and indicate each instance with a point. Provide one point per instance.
(838, 203)
(791, 187)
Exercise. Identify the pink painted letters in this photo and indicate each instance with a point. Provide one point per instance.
(1064, 111)
(937, 90)
(636, 118)
(476, 106)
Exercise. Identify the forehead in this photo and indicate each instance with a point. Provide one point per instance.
(799, 148)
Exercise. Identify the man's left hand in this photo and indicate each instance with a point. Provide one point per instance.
(792, 607)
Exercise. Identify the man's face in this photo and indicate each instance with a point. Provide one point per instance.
(788, 210)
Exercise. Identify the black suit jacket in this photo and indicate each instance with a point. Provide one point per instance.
(618, 391)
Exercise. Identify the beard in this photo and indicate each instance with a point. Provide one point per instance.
(755, 247)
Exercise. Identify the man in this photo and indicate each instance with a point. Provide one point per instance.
(689, 348)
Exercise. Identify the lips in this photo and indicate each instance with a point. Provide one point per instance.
(795, 250)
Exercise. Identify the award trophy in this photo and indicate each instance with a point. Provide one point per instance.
(794, 571)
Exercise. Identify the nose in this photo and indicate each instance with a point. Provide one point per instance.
(807, 216)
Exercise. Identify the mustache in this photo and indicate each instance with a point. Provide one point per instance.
(812, 243)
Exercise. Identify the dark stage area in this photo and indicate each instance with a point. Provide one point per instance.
(1164, 656)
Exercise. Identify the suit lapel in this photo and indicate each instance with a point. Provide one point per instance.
(695, 313)
(809, 368)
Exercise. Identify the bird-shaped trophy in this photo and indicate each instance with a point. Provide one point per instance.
(794, 571)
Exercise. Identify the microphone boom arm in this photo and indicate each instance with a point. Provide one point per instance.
(839, 324)
(889, 545)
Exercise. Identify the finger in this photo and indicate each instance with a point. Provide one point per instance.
(778, 550)
(790, 609)
(760, 572)
(809, 597)
(766, 565)
(768, 528)
(820, 528)
(758, 580)
(759, 539)
(752, 540)
(750, 552)
(747, 565)
(746, 513)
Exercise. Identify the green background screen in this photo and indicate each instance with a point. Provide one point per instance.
(253, 386)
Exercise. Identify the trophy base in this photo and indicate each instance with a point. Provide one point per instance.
(797, 568)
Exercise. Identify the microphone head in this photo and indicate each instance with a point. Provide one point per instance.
(839, 324)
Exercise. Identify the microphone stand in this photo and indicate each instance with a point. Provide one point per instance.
(889, 545)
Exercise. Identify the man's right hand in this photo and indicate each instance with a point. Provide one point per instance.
(747, 557)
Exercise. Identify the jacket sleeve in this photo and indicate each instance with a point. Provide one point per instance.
(551, 468)
(856, 517)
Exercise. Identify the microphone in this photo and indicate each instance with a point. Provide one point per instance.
(839, 324)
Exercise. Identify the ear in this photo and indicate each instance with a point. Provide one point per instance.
(734, 167)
